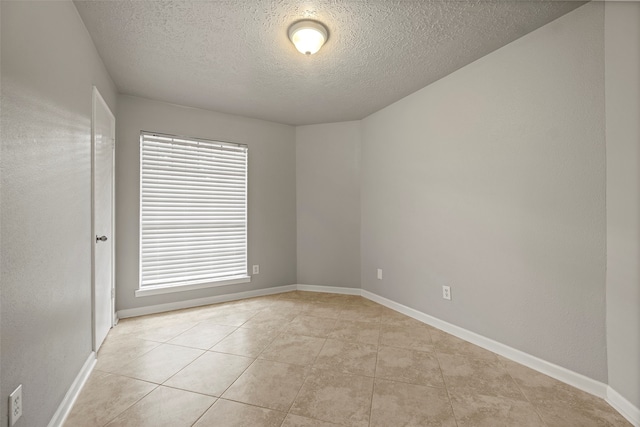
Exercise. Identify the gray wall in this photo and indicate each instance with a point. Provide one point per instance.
(622, 71)
(328, 204)
(272, 192)
(49, 65)
(492, 181)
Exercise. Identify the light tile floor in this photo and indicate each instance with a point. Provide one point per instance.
(315, 359)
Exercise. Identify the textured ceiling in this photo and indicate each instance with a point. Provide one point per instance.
(235, 57)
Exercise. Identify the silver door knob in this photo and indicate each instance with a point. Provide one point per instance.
(101, 238)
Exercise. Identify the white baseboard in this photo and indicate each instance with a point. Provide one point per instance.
(582, 382)
(161, 308)
(597, 388)
(623, 406)
(558, 372)
(330, 289)
(72, 394)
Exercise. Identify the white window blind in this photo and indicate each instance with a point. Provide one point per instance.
(193, 211)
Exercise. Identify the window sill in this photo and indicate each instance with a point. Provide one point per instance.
(190, 287)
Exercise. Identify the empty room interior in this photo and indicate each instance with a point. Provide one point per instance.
(320, 212)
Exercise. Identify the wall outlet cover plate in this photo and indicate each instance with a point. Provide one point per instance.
(446, 292)
(15, 405)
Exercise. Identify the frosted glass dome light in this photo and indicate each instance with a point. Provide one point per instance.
(308, 36)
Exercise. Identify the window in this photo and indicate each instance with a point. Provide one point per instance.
(193, 213)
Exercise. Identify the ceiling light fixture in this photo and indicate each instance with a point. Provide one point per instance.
(308, 36)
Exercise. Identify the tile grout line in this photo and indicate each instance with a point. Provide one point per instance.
(444, 381)
(205, 411)
(311, 367)
(134, 403)
(375, 372)
(180, 370)
(533, 405)
(135, 358)
(347, 308)
(241, 373)
(194, 348)
(131, 378)
(204, 351)
(279, 333)
(184, 367)
(217, 342)
(248, 366)
(306, 376)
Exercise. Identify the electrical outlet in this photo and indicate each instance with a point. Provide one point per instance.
(256, 269)
(446, 292)
(15, 405)
(379, 274)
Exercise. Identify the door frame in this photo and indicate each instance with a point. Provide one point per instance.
(97, 98)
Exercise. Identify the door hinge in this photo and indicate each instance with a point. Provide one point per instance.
(113, 293)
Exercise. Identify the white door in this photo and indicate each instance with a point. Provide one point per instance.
(103, 138)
